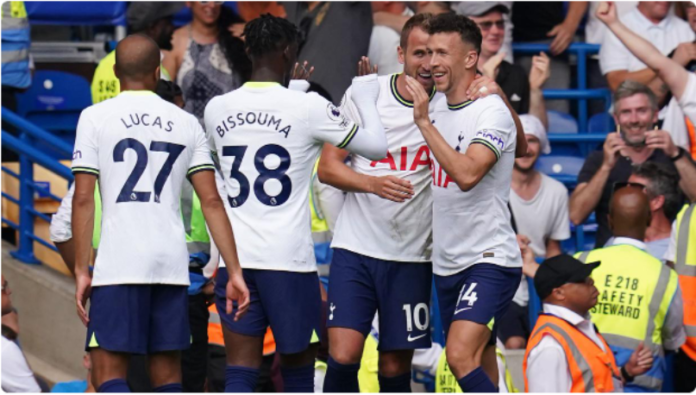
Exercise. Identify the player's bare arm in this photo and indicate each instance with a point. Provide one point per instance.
(483, 86)
(467, 169)
(221, 230)
(83, 228)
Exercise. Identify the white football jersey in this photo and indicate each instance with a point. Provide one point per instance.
(474, 227)
(267, 139)
(377, 227)
(141, 147)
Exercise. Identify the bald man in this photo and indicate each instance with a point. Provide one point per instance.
(639, 297)
(141, 148)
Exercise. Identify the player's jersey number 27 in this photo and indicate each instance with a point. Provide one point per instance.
(238, 152)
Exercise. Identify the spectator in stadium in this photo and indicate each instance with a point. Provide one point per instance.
(206, 59)
(635, 113)
(681, 255)
(326, 44)
(566, 353)
(524, 94)
(461, 7)
(16, 373)
(546, 23)
(640, 299)
(662, 188)
(384, 39)
(652, 21)
(681, 112)
(153, 19)
(539, 206)
(397, 22)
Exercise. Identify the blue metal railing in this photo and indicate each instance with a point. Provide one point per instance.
(24, 146)
(581, 93)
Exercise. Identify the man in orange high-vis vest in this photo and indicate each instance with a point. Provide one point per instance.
(565, 352)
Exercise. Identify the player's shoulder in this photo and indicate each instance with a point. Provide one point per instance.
(490, 102)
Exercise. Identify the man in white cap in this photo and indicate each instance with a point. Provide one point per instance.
(539, 207)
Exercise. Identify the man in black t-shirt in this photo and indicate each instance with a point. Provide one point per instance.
(635, 113)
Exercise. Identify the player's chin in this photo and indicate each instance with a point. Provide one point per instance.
(442, 81)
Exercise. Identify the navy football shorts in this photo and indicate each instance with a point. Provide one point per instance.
(360, 286)
(481, 293)
(139, 318)
(289, 302)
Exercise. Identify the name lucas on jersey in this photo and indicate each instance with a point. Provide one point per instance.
(252, 118)
(144, 119)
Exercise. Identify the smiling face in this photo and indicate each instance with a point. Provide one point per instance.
(527, 162)
(451, 60)
(416, 59)
(206, 12)
(635, 116)
(492, 28)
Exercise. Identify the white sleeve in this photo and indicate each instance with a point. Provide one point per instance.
(688, 100)
(348, 108)
(547, 368)
(613, 55)
(16, 374)
(675, 124)
(495, 129)
(328, 124)
(671, 254)
(86, 153)
(201, 158)
(60, 229)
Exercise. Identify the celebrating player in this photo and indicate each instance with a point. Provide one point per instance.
(477, 262)
(267, 138)
(382, 242)
(141, 148)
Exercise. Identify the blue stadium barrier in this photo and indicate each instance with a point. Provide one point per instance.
(54, 102)
(601, 123)
(563, 168)
(93, 13)
(582, 50)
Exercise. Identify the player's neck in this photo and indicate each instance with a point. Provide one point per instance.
(264, 73)
(458, 94)
(136, 86)
(401, 87)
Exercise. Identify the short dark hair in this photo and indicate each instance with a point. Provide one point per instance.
(420, 20)
(663, 181)
(168, 90)
(269, 33)
(453, 23)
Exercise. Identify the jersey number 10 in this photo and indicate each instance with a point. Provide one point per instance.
(265, 174)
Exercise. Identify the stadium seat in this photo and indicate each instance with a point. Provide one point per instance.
(563, 168)
(601, 123)
(561, 123)
(54, 101)
(93, 13)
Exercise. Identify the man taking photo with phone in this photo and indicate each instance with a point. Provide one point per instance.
(636, 141)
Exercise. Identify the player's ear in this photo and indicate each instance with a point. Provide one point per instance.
(401, 54)
(471, 59)
(116, 73)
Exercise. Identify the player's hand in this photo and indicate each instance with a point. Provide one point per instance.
(563, 35)
(490, 68)
(364, 67)
(606, 12)
(483, 86)
(640, 361)
(391, 188)
(237, 30)
(237, 291)
(660, 139)
(685, 53)
(83, 290)
(612, 145)
(302, 71)
(421, 101)
(540, 72)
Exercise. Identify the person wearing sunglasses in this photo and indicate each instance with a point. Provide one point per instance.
(661, 186)
(635, 142)
(640, 301)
